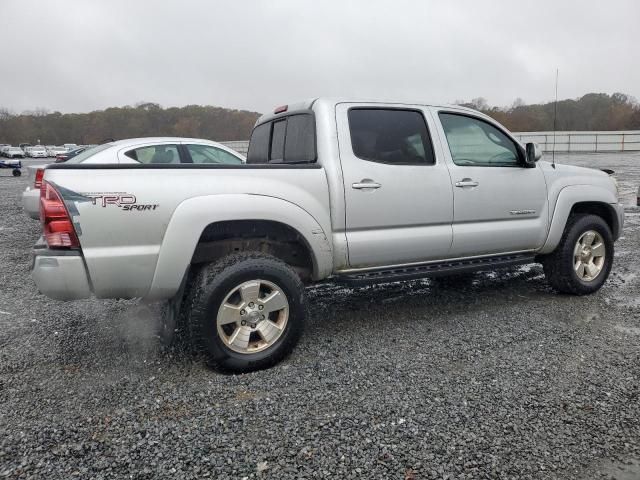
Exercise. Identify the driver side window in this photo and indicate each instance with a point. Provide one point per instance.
(476, 143)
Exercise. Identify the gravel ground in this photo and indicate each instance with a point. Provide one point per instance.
(495, 377)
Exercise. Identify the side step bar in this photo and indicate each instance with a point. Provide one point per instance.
(434, 269)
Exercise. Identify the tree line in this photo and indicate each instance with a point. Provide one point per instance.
(142, 120)
(593, 111)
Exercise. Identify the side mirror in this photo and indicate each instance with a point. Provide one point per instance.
(533, 154)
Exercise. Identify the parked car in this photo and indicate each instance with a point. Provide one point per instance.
(145, 150)
(63, 157)
(37, 151)
(14, 165)
(55, 151)
(13, 152)
(70, 146)
(3, 149)
(363, 192)
(48, 148)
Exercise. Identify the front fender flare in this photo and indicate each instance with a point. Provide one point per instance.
(567, 198)
(192, 216)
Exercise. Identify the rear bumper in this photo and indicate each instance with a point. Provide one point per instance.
(60, 274)
(31, 202)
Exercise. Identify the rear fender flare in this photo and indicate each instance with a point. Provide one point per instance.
(192, 216)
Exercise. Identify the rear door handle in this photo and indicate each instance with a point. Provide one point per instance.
(466, 182)
(363, 185)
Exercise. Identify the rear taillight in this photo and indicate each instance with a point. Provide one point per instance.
(38, 181)
(56, 223)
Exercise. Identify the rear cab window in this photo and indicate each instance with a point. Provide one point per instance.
(290, 138)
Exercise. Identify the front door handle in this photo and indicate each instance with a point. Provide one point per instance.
(365, 184)
(466, 182)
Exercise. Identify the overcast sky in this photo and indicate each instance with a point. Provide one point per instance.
(82, 55)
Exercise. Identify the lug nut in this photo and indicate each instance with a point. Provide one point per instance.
(243, 323)
(260, 307)
(250, 304)
(262, 317)
(242, 312)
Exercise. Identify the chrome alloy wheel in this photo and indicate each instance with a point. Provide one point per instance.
(252, 316)
(589, 255)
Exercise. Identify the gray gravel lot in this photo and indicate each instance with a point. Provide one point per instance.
(497, 377)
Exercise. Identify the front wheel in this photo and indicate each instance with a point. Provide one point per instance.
(246, 311)
(16, 172)
(582, 261)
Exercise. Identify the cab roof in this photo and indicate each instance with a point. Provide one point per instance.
(331, 102)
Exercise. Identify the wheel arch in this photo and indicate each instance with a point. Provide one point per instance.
(601, 209)
(202, 228)
(576, 199)
(222, 238)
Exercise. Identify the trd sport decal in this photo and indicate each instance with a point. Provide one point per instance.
(123, 200)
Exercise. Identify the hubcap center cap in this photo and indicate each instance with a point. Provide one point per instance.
(253, 316)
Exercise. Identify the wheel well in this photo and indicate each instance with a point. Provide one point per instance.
(600, 209)
(282, 241)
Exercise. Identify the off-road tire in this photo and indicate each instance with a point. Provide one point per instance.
(207, 289)
(558, 265)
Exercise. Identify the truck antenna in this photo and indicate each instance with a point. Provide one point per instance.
(555, 117)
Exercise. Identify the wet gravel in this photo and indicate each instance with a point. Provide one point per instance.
(493, 377)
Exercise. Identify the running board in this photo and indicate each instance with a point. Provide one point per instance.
(450, 267)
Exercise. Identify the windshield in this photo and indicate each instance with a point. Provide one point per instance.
(89, 152)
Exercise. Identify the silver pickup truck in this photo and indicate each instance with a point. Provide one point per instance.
(361, 192)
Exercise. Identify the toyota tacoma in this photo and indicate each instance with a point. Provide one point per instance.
(359, 192)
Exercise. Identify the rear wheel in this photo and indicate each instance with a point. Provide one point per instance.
(246, 311)
(582, 261)
(16, 172)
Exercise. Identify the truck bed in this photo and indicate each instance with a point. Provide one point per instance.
(123, 214)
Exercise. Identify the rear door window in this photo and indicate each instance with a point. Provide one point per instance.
(393, 136)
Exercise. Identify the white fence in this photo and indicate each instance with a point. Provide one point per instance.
(583, 142)
(566, 142)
